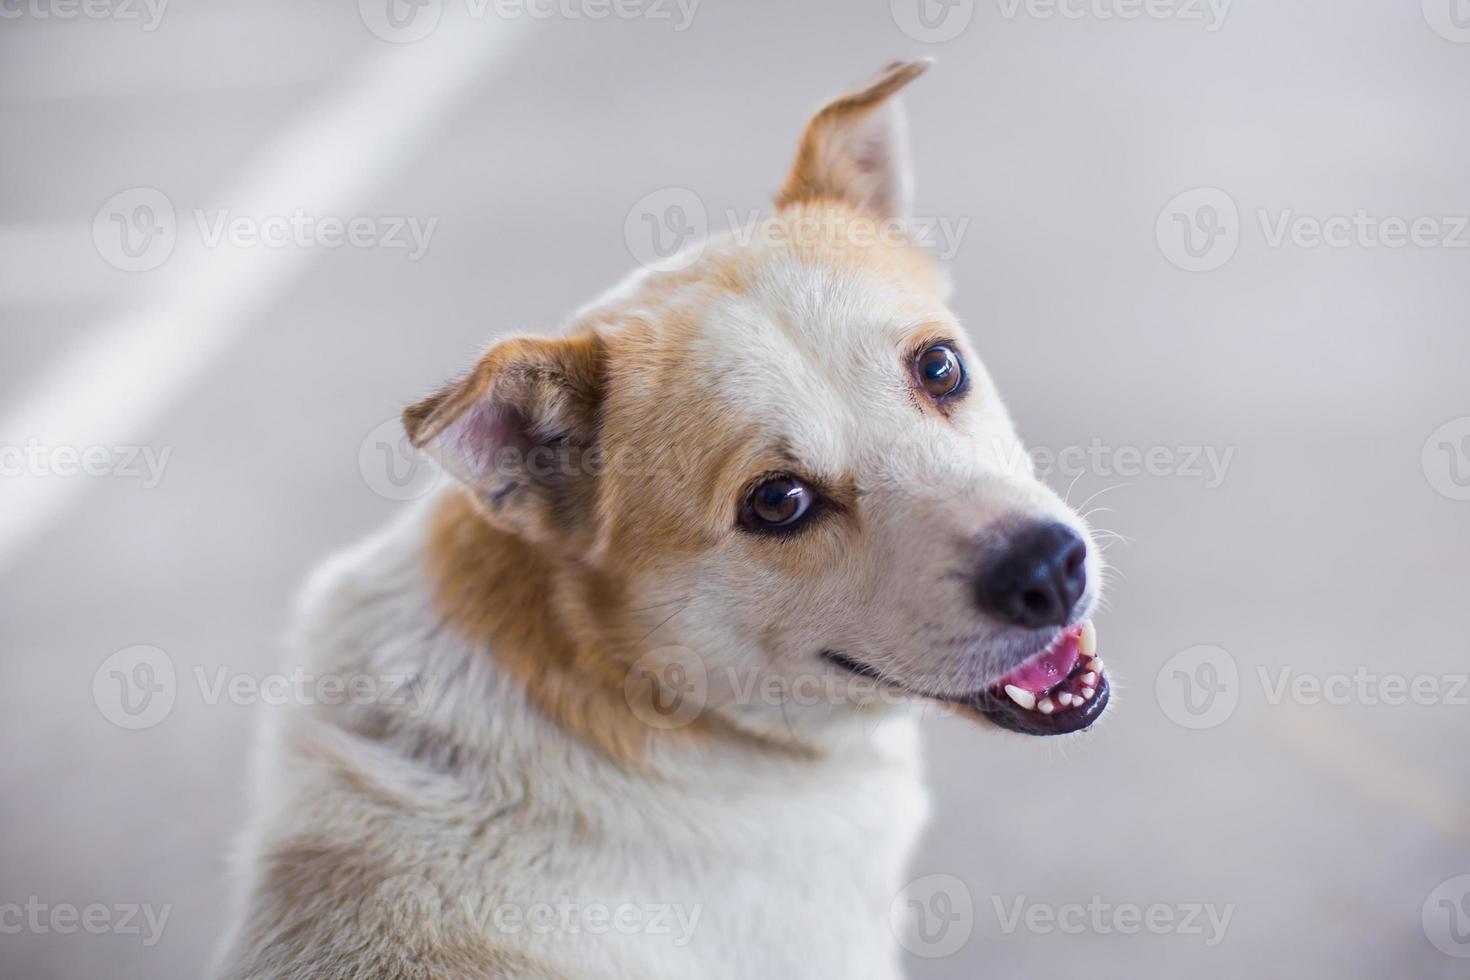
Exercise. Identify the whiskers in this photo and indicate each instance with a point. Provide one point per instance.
(1115, 486)
(1111, 538)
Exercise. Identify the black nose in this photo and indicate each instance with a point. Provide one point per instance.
(1035, 576)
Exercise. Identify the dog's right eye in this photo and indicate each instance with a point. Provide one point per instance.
(940, 371)
(776, 504)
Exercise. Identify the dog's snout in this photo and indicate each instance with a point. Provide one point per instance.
(1036, 577)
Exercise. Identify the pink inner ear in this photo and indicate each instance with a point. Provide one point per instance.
(479, 440)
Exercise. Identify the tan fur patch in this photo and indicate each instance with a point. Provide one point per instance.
(537, 620)
(828, 165)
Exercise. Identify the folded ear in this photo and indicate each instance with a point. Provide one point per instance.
(855, 150)
(520, 429)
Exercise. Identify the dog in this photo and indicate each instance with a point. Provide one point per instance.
(661, 640)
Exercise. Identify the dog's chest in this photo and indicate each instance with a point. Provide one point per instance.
(784, 876)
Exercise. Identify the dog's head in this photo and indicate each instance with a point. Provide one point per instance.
(787, 458)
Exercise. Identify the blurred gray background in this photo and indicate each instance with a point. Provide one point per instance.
(1137, 264)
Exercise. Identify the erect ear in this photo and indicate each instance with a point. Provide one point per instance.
(520, 429)
(855, 150)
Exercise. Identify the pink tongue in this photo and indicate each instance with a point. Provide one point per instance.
(1049, 668)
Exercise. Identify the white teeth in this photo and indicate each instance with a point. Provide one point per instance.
(1095, 665)
(1087, 693)
(1046, 706)
(1025, 699)
(1065, 699)
(1089, 679)
(1087, 644)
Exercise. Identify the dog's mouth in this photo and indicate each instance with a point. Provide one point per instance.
(1060, 690)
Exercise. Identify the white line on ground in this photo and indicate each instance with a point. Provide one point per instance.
(110, 389)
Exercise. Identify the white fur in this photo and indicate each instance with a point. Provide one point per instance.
(789, 865)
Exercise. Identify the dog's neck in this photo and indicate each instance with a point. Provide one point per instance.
(563, 631)
(541, 619)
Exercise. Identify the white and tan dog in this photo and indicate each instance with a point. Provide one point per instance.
(704, 559)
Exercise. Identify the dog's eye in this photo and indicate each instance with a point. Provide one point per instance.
(940, 371)
(777, 503)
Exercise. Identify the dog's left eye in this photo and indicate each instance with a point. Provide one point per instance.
(778, 503)
(940, 371)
